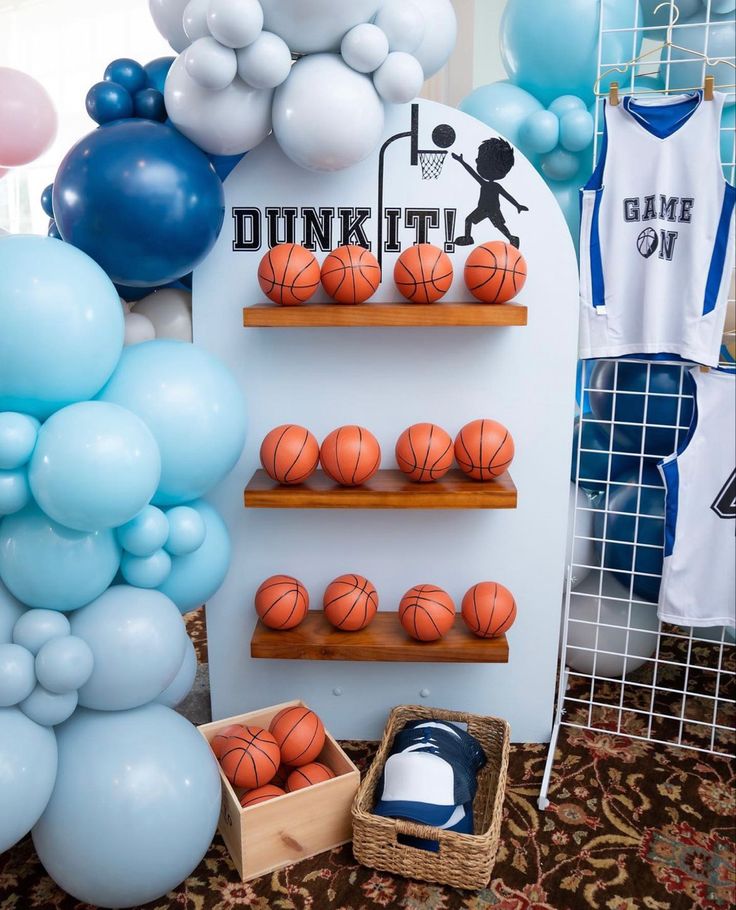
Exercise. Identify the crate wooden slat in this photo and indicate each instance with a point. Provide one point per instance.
(326, 315)
(384, 640)
(388, 489)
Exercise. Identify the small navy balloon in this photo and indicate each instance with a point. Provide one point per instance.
(128, 73)
(46, 200)
(108, 101)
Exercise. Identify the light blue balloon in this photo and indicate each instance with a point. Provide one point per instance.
(720, 37)
(35, 627)
(137, 638)
(96, 465)
(192, 405)
(49, 708)
(15, 493)
(551, 49)
(566, 103)
(577, 129)
(183, 681)
(186, 530)
(145, 533)
(722, 6)
(17, 677)
(196, 577)
(64, 664)
(540, 132)
(135, 806)
(560, 165)
(47, 565)
(61, 325)
(146, 571)
(11, 611)
(503, 107)
(17, 438)
(661, 18)
(27, 774)
(568, 198)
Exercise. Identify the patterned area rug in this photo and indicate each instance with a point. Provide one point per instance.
(631, 826)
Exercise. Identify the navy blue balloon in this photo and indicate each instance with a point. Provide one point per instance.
(639, 546)
(157, 71)
(54, 230)
(46, 200)
(225, 164)
(594, 458)
(141, 200)
(149, 103)
(128, 73)
(185, 282)
(108, 101)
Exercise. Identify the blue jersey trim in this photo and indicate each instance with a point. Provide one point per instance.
(595, 181)
(720, 251)
(596, 260)
(663, 120)
(671, 476)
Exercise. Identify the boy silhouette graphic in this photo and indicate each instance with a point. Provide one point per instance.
(495, 160)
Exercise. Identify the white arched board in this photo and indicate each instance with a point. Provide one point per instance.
(387, 379)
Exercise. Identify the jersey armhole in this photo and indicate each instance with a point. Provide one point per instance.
(595, 181)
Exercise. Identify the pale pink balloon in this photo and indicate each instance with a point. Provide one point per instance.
(28, 120)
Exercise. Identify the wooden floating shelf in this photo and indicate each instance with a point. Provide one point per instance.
(385, 490)
(384, 640)
(321, 315)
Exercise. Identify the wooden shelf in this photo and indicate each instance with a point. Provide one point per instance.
(383, 640)
(321, 315)
(385, 490)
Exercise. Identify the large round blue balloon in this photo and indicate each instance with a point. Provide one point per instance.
(716, 39)
(11, 611)
(505, 108)
(192, 405)
(595, 455)
(157, 70)
(61, 325)
(141, 200)
(46, 565)
(134, 809)
(551, 49)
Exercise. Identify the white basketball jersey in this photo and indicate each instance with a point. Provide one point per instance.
(656, 247)
(699, 576)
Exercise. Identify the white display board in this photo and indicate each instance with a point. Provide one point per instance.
(386, 379)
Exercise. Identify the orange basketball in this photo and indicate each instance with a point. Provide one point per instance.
(260, 795)
(350, 455)
(219, 740)
(427, 612)
(489, 609)
(281, 602)
(288, 274)
(351, 274)
(350, 603)
(308, 775)
(495, 272)
(300, 735)
(423, 273)
(251, 758)
(424, 452)
(484, 449)
(289, 454)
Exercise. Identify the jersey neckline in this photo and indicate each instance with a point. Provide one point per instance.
(671, 118)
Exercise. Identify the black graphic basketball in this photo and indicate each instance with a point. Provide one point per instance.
(648, 242)
(443, 136)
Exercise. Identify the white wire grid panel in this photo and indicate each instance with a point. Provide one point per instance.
(622, 671)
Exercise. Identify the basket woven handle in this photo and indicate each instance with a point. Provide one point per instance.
(412, 829)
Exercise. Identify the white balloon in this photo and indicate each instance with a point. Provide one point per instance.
(168, 19)
(403, 23)
(440, 35)
(584, 553)
(266, 63)
(364, 48)
(138, 329)
(228, 122)
(195, 19)
(327, 117)
(210, 64)
(235, 23)
(399, 78)
(170, 312)
(311, 26)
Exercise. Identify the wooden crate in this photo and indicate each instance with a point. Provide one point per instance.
(287, 829)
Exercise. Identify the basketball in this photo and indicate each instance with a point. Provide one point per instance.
(423, 273)
(251, 758)
(427, 612)
(424, 452)
(488, 609)
(289, 454)
(281, 602)
(288, 274)
(313, 773)
(260, 795)
(219, 740)
(350, 603)
(647, 242)
(350, 455)
(351, 274)
(300, 735)
(495, 272)
(484, 449)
